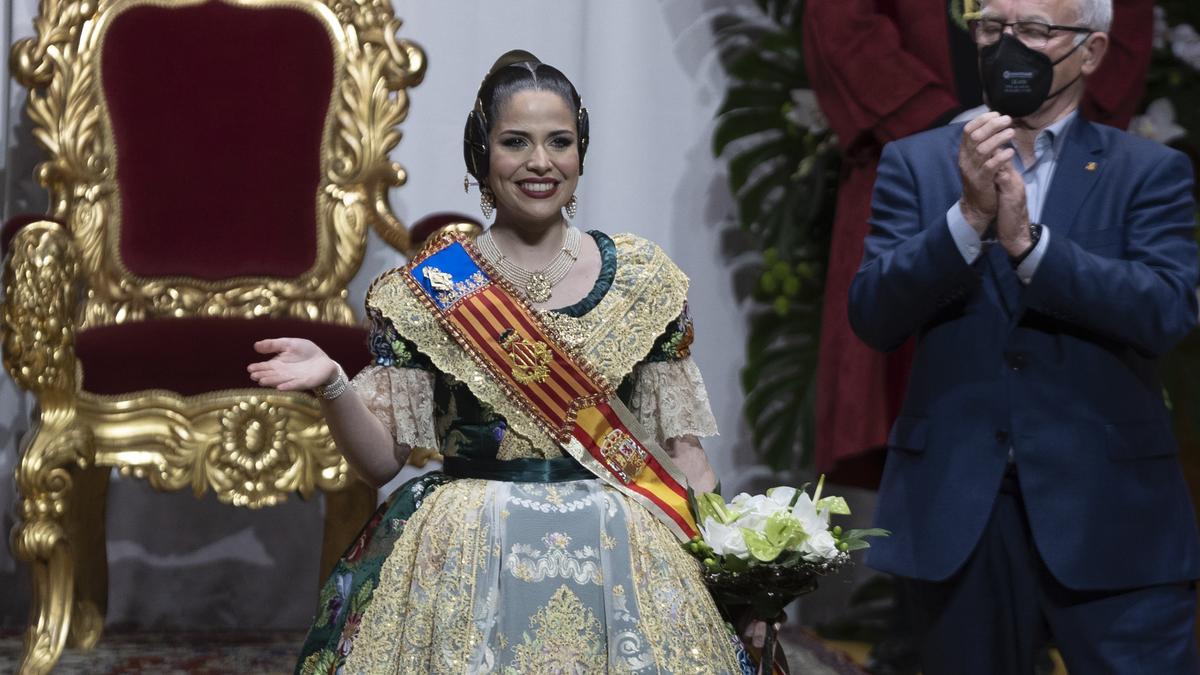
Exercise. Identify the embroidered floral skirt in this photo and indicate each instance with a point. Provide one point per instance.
(474, 576)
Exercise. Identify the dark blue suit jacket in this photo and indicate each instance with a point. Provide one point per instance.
(1062, 370)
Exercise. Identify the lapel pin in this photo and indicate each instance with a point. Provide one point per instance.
(1090, 166)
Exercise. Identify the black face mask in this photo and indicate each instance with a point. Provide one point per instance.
(1017, 79)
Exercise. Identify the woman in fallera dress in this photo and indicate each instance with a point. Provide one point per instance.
(551, 368)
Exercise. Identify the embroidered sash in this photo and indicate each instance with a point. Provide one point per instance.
(567, 398)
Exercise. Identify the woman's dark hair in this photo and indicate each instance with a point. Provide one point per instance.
(514, 72)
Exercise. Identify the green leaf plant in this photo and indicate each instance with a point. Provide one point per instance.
(783, 176)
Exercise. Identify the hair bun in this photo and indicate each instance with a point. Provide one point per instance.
(510, 58)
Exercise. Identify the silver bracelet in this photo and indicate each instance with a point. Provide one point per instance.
(335, 388)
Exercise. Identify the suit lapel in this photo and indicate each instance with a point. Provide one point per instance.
(1078, 170)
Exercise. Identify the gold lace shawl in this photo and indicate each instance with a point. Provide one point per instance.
(647, 293)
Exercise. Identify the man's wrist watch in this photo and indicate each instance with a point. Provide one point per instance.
(1035, 234)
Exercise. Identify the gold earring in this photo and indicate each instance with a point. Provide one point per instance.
(487, 203)
(572, 206)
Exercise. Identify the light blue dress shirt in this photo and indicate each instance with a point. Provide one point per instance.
(1037, 176)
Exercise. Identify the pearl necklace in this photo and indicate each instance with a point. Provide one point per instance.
(538, 285)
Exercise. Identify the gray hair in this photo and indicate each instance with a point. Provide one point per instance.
(1095, 14)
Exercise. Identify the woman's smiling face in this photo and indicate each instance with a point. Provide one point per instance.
(534, 158)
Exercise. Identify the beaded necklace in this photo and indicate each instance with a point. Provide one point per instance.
(537, 285)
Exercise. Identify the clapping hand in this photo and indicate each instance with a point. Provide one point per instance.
(983, 153)
(1012, 213)
(297, 365)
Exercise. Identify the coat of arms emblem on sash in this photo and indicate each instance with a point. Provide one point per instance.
(623, 455)
(530, 360)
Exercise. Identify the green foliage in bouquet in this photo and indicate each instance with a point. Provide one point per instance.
(783, 169)
(761, 552)
(785, 528)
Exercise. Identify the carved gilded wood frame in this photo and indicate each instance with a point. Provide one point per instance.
(64, 274)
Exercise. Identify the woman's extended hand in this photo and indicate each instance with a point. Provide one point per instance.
(297, 364)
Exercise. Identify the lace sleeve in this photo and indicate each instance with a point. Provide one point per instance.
(402, 398)
(670, 400)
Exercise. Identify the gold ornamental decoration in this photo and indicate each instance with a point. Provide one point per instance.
(253, 448)
(374, 68)
(39, 354)
(252, 451)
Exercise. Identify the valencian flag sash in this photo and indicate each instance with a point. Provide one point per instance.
(566, 396)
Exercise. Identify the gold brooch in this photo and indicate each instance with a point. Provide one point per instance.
(623, 455)
(531, 360)
(1091, 166)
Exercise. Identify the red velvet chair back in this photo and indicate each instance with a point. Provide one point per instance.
(218, 113)
(219, 158)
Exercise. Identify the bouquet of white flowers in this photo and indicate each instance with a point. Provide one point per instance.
(764, 551)
(784, 527)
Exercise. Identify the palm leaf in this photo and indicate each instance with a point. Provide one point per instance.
(755, 95)
(742, 123)
(742, 164)
(783, 179)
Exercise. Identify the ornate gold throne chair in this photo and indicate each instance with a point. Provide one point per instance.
(212, 168)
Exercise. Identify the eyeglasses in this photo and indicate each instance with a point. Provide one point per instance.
(1033, 34)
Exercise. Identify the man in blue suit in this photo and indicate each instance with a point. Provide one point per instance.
(1044, 263)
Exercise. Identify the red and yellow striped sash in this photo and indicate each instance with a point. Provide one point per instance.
(561, 391)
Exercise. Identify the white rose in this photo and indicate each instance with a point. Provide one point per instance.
(741, 502)
(781, 495)
(752, 512)
(819, 546)
(724, 539)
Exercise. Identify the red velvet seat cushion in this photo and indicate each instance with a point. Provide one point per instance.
(218, 112)
(193, 356)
